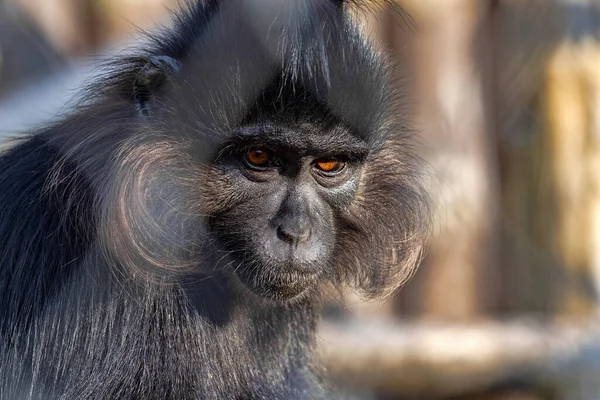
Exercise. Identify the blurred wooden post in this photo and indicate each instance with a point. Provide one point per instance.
(454, 119)
(77, 27)
(525, 37)
(592, 69)
(70, 25)
(571, 146)
(126, 17)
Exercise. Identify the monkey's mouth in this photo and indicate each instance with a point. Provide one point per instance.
(281, 288)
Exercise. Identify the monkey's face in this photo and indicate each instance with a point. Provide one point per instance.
(286, 188)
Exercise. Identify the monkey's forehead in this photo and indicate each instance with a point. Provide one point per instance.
(246, 56)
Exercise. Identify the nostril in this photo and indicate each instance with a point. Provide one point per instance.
(283, 235)
(293, 236)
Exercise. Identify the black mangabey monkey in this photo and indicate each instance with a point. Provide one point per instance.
(171, 238)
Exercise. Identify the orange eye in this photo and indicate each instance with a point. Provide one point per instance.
(258, 157)
(330, 166)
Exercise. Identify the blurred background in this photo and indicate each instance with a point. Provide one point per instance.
(505, 97)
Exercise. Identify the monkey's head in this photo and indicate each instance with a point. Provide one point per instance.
(269, 136)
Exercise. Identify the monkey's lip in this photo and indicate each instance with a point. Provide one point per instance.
(286, 287)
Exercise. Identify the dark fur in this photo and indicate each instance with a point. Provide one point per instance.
(117, 227)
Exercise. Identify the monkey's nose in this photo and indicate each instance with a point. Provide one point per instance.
(295, 235)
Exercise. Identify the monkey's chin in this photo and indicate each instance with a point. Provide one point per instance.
(285, 289)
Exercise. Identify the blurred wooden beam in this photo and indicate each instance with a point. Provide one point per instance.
(436, 359)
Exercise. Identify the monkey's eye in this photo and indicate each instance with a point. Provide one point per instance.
(260, 158)
(329, 167)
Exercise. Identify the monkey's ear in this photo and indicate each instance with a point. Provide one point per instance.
(150, 78)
